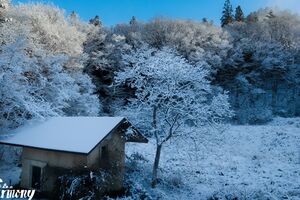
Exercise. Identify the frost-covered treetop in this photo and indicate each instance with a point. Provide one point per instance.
(171, 90)
(4, 4)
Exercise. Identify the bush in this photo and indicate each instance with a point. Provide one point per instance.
(84, 185)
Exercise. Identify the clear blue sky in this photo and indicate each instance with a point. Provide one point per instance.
(120, 11)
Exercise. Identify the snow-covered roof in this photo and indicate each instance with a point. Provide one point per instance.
(70, 134)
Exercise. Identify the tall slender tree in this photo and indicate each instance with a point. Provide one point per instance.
(239, 14)
(227, 16)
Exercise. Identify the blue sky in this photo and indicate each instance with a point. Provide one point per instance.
(120, 11)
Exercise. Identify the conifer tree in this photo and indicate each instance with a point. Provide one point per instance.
(204, 20)
(227, 16)
(73, 15)
(96, 21)
(133, 21)
(239, 14)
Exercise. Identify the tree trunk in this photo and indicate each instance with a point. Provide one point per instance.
(155, 166)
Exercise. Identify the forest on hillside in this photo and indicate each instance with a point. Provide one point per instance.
(64, 66)
(169, 77)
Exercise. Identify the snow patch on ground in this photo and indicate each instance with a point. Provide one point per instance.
(248, 162)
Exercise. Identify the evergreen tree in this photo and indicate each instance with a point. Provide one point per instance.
(73, 15)
(96, 21)
(227, 16)
(204, 20)
(239, 15)
(133, 21)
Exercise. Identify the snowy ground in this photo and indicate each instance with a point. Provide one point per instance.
(247, 162)
(244, 162)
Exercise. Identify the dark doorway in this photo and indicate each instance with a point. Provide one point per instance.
(104, 153)
(36, 177)
(104, 158)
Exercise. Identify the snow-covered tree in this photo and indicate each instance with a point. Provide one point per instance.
(104, 52)
(155, 32)
(4, 4)
(131, 32)
(171, 96)
(17, 101)
(195, 41)
(36, 85)
(259, 67)
(45, 27)
(198, 42)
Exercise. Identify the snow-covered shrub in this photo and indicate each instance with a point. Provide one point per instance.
(134, 160)
(135, 191)
(84, 185)
(174, 180)
(137, 177)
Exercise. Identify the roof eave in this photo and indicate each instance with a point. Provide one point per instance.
(45, 149)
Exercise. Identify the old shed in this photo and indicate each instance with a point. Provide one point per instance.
(73, 143)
